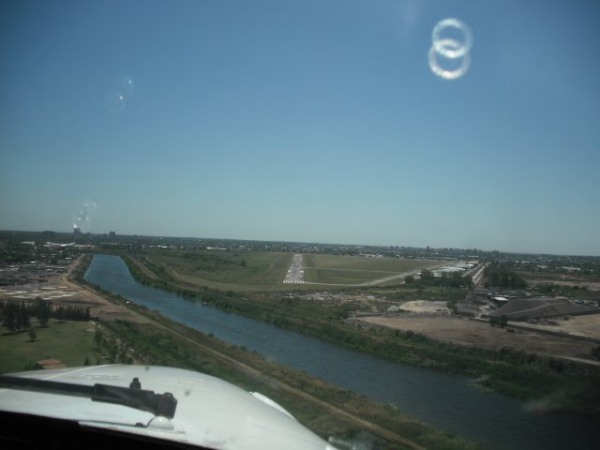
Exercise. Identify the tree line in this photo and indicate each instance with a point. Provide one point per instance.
(498, 275)
(17, 315)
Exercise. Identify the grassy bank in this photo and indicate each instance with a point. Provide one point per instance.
(220, 270)
(325, 409)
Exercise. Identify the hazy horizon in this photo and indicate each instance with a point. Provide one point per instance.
(349, 244)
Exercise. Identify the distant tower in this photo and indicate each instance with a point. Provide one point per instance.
(76, 231)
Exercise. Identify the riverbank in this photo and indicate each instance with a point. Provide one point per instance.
(522, 375)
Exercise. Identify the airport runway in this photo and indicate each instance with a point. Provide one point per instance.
(295, 273)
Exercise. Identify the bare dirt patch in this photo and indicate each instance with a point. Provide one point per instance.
(60, 291)
(99, 306)
(565, 281)
(585, 326)
(425, 306)
(480, 334)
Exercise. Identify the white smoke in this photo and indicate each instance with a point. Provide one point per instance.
(83, 219)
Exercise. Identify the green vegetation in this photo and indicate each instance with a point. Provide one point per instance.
(255, 271)
(427, 278)
(416, 291)
(559, 290)
(206, 276)
(334, 269)
(70, 342)
(340, 276)
(497, 275)
(17, 315)
(525, 376)
(220, 269)
(393, 265)
(323, 408)
(501, 321)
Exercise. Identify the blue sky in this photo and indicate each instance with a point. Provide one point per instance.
(311, 121)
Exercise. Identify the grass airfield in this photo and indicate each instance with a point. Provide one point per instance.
(259, 271)
(360, 270)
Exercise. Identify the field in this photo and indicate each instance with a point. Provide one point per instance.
(587, 326)
(540, 307)
(480, 334)
(71, 342)
(221, 270)
(252, 271)
(333, 269)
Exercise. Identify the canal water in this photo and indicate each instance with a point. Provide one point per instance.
(444, 401)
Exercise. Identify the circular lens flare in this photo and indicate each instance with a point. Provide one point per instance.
(449, 56)
(445, 73)
(440, 42)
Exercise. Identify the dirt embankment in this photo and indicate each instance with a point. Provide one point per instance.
(571, 280)
(480, 334)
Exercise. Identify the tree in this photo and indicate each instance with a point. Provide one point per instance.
(503, 321)
(427, 275)
(98, 338)
(499, 276)
(23, 320)
(60, 313)
(42, 311)
(469, 281)
(10, 317)
(32, 334)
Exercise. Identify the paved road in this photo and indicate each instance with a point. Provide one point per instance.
(295, 273)
(477, 273)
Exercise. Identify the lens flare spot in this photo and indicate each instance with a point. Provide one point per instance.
(449, 55)
(121, 90)
(83, 219)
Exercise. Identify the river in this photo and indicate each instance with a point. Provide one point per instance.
(445, 401)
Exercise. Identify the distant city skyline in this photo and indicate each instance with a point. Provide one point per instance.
(114, 234)
(329, 121)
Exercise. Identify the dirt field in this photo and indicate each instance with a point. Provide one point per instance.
(60, 291)
(590, 285)
(481, 334)
(99, 306)
(425, 306)
(585, 326)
